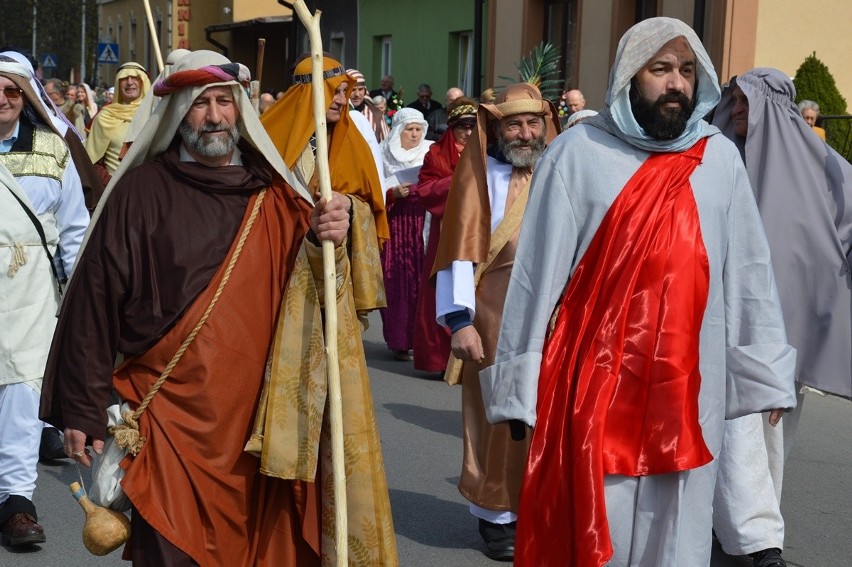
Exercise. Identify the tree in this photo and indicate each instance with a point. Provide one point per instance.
(814, 82)
(58, 30)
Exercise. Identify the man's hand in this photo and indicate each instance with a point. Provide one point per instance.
(467, 345)
(330, 219)
(775, 416)
(75, 446)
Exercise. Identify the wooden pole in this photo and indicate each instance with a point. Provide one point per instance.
(254, 86)
(258, 69)
(330, 279)
(155, 41)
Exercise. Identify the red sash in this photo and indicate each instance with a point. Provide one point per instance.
(618, 392)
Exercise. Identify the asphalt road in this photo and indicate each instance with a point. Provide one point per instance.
(420, 426)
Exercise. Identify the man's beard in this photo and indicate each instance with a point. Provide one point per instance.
(520, 158)
(660, 123)
(213, 147)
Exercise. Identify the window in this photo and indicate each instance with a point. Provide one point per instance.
(561, 29)
(465, 73)
(336, 46)
(385, 63)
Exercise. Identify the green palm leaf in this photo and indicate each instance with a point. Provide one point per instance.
(540, 68)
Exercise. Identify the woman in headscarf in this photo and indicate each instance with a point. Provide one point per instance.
(432, 341)
(803, 190)
(86, 108)
(402, 257)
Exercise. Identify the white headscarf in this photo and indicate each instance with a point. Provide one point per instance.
(57, 118)
(394, 155)
(637, 46)
(158, 133)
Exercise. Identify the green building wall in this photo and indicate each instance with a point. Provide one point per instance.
(424, 42)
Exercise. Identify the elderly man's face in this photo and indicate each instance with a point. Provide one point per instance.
(810, 115)
(739, 113)
(575, 101)
(358, 94)
(11, 103)
(521, 138)
(53, 94)
(387, 83)
(71, 93)
(662, 99)
(424, 96)
(339, 104)
(210, 130)
(130, 88)
(264, 102)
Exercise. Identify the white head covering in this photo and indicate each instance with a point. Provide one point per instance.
(579, 116)
(394, 155)
(55, 116)
(146, 107)
(158, 133)
(637, 46)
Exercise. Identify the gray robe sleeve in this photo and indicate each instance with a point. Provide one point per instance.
(546, 249)
(760, 363)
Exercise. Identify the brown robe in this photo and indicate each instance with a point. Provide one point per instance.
(145, 276)
(493, 463)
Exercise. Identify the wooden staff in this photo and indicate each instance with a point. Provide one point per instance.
(154, 39)
(261, 49)
(330, 278)
(254, 86)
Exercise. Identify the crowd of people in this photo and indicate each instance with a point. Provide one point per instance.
(634, 301)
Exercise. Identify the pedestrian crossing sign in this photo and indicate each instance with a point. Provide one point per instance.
(48, 60)
(108, 53)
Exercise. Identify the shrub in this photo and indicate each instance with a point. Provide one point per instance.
(814, 82)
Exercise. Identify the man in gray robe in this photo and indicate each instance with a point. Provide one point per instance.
(694, 276)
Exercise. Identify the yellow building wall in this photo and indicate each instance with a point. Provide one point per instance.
(251, 9)
(790, 30)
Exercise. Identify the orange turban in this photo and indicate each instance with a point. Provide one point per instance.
(290, 124)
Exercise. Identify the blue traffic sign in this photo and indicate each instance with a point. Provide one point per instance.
(108, 53)
(48, 60)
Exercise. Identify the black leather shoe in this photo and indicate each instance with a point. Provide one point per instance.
(768, 558)
(22, 529)
(51, 447)
(499, 540)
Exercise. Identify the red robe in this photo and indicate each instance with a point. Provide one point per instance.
(431, 340)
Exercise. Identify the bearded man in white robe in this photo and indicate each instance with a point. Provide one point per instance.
(641, 313)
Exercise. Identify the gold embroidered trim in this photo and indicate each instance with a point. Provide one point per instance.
(48, 158)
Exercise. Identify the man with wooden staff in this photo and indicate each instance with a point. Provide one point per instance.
(475, 255)
(203, 187)
(290, 125)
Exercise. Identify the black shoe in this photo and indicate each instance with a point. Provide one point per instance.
(51, 447)
(768, 558)
(499, 540)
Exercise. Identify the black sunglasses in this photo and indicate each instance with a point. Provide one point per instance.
(12, 93)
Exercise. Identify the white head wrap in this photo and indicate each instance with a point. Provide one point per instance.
(57, 119)
(394, 155)
(158, 133)
(638, 45)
